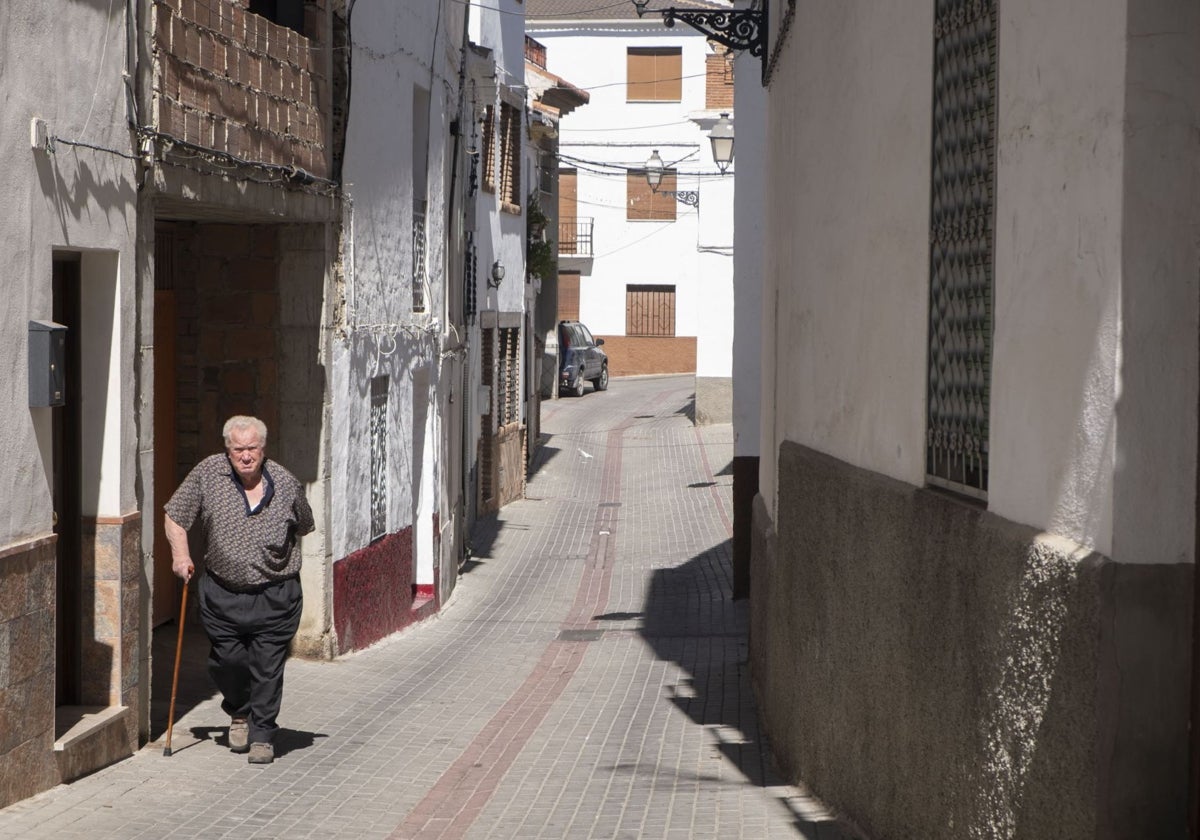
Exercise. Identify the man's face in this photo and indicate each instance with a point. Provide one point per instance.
(246, 453)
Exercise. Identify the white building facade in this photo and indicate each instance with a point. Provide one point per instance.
(972, 582)
(396, 356)
(656, 280)
(499, 295)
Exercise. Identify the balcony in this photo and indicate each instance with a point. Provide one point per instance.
(575, 244)
(535, 52)
(575, 236)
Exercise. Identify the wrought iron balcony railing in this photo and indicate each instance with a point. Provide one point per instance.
(575, 236)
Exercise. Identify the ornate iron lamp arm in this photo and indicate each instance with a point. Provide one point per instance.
(738, 29)
(688, 197)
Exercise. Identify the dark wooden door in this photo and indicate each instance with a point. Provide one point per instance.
(66, 445)
(165, 587)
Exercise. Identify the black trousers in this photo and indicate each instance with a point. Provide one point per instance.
(250, 634)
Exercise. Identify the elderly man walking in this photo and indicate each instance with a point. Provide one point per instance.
(252, 513)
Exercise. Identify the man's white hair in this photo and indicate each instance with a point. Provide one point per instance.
(242, 421)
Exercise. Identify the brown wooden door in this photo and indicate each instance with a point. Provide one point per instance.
(568, 297)
(568, 219)
(165, 586)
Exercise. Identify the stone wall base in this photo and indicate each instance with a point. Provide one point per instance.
(932, 670)
(714, 400)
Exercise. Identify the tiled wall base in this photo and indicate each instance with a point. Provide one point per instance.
(374, 594)
(27, 576)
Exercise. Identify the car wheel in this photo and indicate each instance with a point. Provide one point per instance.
(601, 382)
(578, 389)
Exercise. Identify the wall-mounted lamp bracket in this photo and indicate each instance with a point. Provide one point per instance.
(688, 197)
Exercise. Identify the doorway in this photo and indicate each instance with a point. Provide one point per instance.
(165, 399)
(66, 455)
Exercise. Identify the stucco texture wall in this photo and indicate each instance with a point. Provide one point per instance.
(935, 671)
(847, 215)
(75, 199)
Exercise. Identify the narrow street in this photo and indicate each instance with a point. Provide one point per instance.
(586, 680)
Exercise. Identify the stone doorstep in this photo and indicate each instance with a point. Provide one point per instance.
(98, 737)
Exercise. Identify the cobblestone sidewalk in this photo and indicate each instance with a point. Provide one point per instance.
(587, 679)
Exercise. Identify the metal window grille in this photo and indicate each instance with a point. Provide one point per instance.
(650, 310)
(418, 250)
(379, 476)
(470, 271)
(961, 236)
(487, 453)
(509, 379)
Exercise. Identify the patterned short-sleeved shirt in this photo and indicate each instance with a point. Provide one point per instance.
(245, 549)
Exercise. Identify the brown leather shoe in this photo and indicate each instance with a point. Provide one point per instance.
(261, 753)
(239, 735)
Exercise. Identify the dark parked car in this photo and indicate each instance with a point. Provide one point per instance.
(580, 359)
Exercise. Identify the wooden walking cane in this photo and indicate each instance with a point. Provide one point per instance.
(175, 678)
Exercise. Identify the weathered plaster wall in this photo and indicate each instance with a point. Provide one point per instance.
(397, 147)
(1154, 517)
(935, 671)
(79, 199)
(1095, 203)
(383, 335)
(1024, 668)
(847, 231)
(750, 160)
(1057, 266)
(74, 197)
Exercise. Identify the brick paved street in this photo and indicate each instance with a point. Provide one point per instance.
(587, 679)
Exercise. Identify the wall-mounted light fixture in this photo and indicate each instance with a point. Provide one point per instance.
(497, 274)
(654, 176)
(721, 138)
(738, 29)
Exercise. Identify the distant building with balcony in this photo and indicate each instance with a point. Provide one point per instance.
(566, 242)
(650, 271)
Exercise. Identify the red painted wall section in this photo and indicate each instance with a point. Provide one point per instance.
(373, 592)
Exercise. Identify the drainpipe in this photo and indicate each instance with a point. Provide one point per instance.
(460, 317)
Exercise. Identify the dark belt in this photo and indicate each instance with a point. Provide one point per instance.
(248, 589)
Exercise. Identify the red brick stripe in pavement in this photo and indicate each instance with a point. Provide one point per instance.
(458, 798)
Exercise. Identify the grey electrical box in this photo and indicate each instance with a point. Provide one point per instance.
(47, 360)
